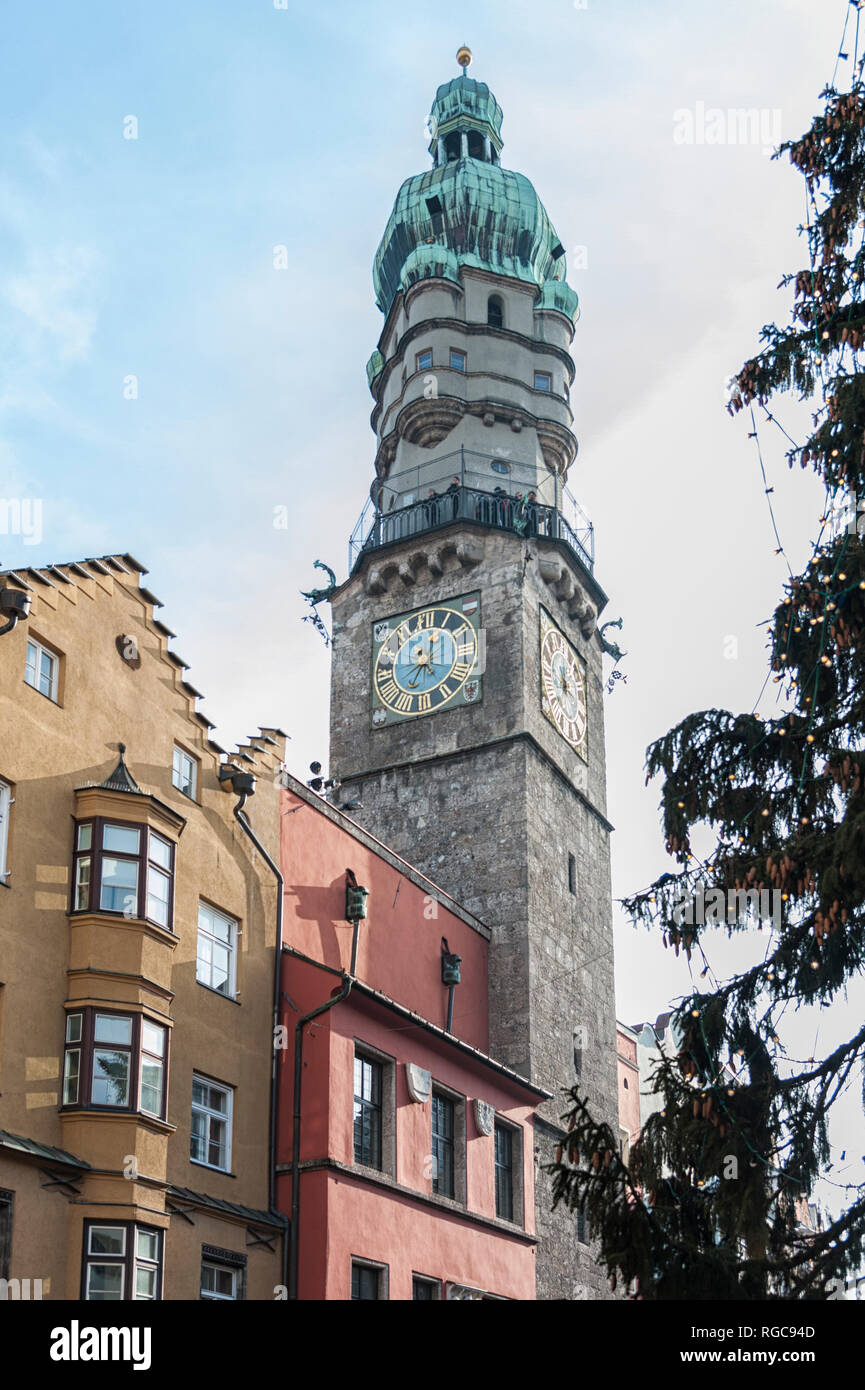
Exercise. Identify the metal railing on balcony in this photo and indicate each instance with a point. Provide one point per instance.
(508, 502)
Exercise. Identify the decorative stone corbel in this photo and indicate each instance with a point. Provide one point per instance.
(407, 567)
(550, 568)
(558, 575)
(469, 552)
(375, 581)
(435, 561)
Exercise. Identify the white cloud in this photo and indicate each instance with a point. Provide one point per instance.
(56, 294)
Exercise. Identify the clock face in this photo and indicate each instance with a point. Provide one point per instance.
(563, 686)
(426, 660)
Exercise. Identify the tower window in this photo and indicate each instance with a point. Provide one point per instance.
(452, 145)
(499, 466)
(582, 1228)
(543, 381)
(423, 360)
(476, 145)
(572, 873)
(495, 312)
(435, 210)
(457, 360)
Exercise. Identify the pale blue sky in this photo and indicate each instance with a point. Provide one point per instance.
(259, 127)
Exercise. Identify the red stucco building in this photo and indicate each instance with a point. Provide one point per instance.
(413, 1160)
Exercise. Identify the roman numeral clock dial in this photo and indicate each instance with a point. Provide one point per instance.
(563, 686)
(426, 660)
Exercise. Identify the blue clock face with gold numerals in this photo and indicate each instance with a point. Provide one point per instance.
(426, 660)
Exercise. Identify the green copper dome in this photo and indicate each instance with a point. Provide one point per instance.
(468, 105)
(468, 210)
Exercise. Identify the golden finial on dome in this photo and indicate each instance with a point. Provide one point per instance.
(464, 57)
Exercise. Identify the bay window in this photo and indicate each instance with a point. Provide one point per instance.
(122, 1262)
(124, 869)
(112, 1060)
(115, 1061)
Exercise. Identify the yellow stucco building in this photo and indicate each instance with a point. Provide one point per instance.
(138, 924)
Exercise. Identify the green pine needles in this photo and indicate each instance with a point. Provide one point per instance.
(711, 1201)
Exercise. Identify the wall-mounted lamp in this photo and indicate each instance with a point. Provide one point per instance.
(450, 976)
(15, 603)
(355, 898)
(450, 964)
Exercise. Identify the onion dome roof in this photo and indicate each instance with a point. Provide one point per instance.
(468, 210)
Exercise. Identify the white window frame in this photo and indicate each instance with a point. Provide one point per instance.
(231, 947)
(5, 812)
(209, 1295)
(98, 1260)
(74, 1034)
(226, 1117)
(129, 1260)
(180, 755)
(41, 650)
(151, 1264)
(155, 1059)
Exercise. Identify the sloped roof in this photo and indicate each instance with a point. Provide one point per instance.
(31, 1146)
(201, 1199)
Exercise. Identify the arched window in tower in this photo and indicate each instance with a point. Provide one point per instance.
(495, 311)
(476, 145)
(452, 145)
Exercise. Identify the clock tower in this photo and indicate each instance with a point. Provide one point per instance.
(467, 712)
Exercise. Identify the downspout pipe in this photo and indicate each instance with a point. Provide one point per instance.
(341, 994)
(244, 824)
